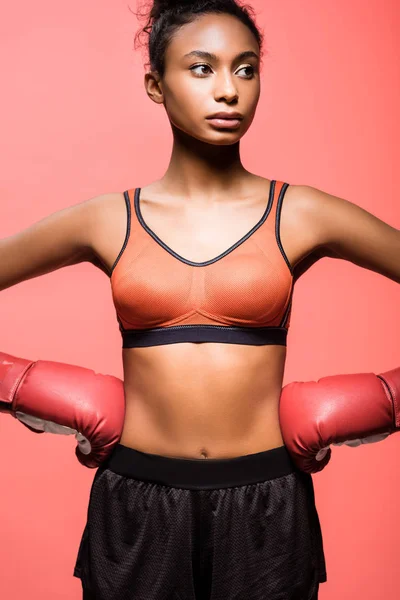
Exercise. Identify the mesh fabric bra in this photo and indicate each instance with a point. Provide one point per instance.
(242, 296)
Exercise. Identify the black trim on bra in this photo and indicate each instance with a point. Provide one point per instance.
(159, 336)
(278, 223)
(213, 260)
(287, 312)
(128, 230)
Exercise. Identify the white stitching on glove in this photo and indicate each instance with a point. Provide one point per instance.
(371, 439)
(51, 427)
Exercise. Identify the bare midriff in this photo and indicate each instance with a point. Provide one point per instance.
(203, 400)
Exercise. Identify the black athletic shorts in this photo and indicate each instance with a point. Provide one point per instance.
(162, 528)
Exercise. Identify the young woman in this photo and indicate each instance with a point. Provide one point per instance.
(200, 499)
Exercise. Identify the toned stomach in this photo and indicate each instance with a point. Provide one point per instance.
(200, 401)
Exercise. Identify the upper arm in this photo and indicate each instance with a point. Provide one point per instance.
(342, 229)
(58, 240)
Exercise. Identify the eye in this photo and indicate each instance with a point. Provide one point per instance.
(202, 65)
(252, 71)
(197, 67)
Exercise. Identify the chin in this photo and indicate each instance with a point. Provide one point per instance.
(221, 138)
(224, 142)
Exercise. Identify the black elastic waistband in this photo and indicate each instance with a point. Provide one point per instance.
(252, 336)
(200, 473)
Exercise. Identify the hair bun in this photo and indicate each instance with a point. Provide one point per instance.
(160, 6)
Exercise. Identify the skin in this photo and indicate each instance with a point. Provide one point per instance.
(216, 400)
(208, 400)
(174, 388)
(205, 400)
(204, 158)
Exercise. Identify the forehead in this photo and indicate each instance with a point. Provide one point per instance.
(221, 34)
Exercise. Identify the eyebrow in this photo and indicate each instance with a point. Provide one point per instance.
(211, 56)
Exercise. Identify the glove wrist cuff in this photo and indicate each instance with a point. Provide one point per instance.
(12, 372)
(391, 384)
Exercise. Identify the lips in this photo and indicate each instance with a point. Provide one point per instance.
(225, 123)
(227, 116)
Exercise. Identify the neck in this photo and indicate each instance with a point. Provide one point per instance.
(198, 169)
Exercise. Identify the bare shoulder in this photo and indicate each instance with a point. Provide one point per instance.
(309, 211)
(108, 227)
(344, 229)
(333, 219)
(301, 228)
(104, 209)
(66, 237)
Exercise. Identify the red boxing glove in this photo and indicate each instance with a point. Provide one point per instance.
(339, 409)
(67, 399)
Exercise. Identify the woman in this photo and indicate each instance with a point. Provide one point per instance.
(200, 498)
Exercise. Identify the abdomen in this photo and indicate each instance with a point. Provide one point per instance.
(204, 400)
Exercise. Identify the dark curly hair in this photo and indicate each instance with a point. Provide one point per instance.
(165, 17)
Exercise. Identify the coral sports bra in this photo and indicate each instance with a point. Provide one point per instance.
(243, 296)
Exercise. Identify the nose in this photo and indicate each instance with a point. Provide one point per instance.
(225, 87)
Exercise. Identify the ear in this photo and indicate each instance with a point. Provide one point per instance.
(153, 86)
